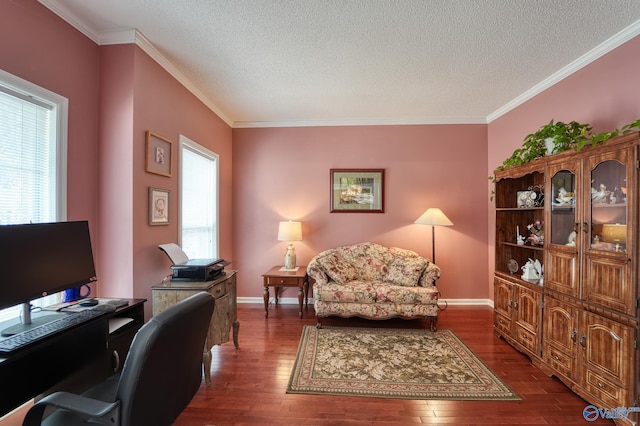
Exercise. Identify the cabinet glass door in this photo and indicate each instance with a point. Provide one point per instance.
(563, 208)
(609, 206)
(562, 270)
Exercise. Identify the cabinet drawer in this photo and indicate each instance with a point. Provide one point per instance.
(526, 339)
(282, 281)
(604, 389)
(218, 290)
(502, 324)
(558, 360)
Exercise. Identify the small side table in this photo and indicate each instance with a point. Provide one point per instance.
(274, 277)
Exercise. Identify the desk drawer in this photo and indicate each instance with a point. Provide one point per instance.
(218, 290)
(286, 281)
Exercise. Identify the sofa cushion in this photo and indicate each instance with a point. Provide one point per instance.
(355, 291)
(405, 271)
(389, 293)
(337, 269)
(368, 260)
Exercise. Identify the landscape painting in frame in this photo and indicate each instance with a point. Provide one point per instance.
(357, 190)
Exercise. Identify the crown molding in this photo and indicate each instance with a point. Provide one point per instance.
(362, 122)
(127, 36)
(133, 36)
(144, 44)
(589, 57)
(67, 14)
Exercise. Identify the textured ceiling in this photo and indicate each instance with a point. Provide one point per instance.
(319, 62)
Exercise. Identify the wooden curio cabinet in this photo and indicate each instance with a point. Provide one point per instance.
(518, 301)
(587, 298)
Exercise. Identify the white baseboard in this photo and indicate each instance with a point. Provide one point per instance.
(294, 301)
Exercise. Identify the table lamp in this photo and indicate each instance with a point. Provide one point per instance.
(615, 234)
(433, 217)
(290, 231)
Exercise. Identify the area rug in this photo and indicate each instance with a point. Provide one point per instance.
(392, 363)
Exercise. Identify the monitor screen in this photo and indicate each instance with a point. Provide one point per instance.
(43, 258)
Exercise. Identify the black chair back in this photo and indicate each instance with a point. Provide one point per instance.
(163, 369)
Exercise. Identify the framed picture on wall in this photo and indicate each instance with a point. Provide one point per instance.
(357, 190)
(158, 154)
(158, 206)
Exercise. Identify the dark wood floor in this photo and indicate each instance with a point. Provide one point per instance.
(248, 384)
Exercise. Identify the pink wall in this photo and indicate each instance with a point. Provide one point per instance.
(39, 47)
(605, 94)
(280, 173)
(283, 173)
(159, 103)
(115, 94)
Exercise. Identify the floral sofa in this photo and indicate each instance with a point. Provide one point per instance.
(371, 281)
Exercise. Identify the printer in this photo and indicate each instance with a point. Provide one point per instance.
(185, 269)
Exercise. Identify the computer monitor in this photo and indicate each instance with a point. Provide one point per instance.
(41, 259)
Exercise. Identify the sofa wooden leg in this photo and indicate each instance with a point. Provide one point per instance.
(432, 323)
(318, 322)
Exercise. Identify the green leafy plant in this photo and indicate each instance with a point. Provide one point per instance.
(566, 136)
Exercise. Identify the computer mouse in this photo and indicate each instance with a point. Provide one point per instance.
(88, 302)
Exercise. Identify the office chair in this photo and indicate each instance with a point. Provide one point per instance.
(160, 376)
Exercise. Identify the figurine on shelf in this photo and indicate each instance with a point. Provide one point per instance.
(532, 270)
(599, 196)
(519, 238)
(536, 233)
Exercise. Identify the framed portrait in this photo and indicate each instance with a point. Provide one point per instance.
(357, 190)
(158, 206)
(159, 154)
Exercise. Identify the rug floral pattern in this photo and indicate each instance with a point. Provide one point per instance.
(392, 363)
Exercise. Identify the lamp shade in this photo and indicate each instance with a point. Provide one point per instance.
(290, 231)
(614, 233)
(434, 217)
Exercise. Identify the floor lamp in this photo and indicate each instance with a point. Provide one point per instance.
(433, 217)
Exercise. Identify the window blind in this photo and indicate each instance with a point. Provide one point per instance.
(28, 166)
(198, 203)
(27, 159)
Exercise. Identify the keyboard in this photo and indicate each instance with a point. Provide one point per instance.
(29, 337)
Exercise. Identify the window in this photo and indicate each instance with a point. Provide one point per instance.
(33, 151)
(199, 200)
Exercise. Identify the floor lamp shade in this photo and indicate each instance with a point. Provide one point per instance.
(290, 231)
(433, 217)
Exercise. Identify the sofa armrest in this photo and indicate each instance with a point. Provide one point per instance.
(429, 276)
(315, 271)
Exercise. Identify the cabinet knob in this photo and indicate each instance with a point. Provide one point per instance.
(583, 338)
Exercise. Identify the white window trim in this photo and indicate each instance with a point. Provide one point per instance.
(61, 108)
(185, 141)
(62, 117)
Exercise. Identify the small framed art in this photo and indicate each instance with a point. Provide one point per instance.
(158, 206)
(357, 190)
(158, 154)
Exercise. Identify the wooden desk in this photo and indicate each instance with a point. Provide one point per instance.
(274, 277)
(225, 312)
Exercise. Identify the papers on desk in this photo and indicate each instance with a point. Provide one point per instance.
(117, 323)
(75, 307)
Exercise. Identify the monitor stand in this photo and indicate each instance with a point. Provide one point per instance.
(29, 321)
